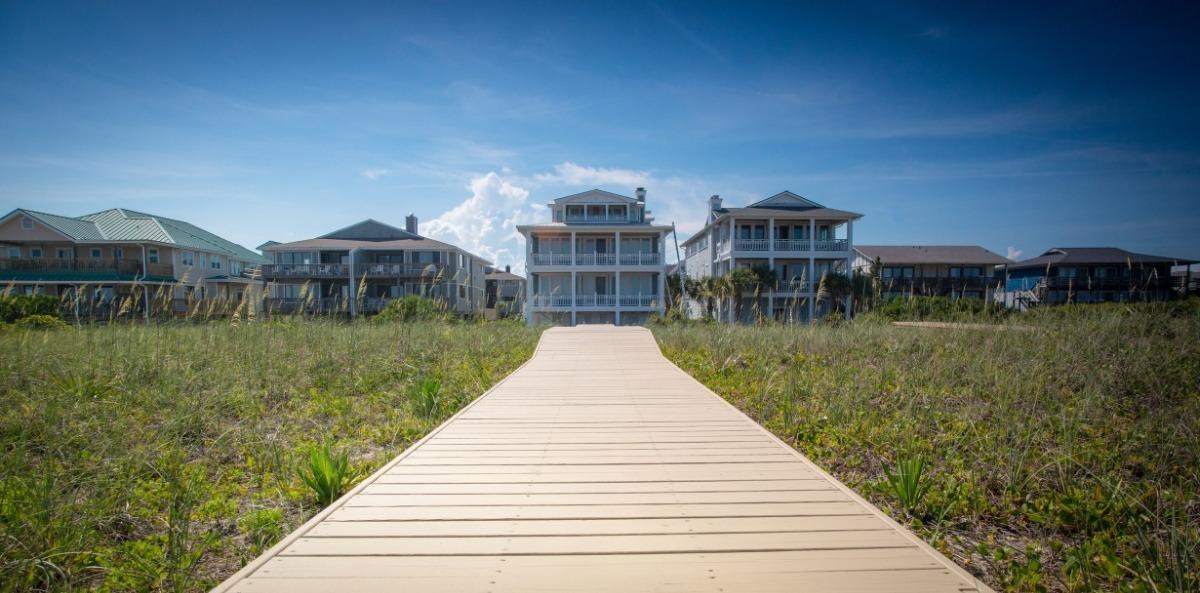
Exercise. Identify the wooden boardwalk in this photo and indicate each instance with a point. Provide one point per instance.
(600, 466)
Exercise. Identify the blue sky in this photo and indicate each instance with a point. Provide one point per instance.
(1018, 129)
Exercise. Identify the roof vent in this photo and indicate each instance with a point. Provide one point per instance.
(641, 194)
(410, 223)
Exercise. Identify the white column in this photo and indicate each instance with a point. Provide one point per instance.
(849, 264)
(662, 291)
(732, 261)
(617, 247)
(530, 283)
(812, 269)
(573, 288)
(617, 294)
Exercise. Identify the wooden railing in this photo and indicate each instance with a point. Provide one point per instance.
(122, 267)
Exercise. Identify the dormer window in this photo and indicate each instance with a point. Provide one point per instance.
(26, 222)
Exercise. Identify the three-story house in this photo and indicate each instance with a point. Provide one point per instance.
(791, 241)
(599, 260)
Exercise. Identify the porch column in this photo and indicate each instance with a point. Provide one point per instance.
(530, 281)
(573, 288)
(617, 295)
(617, 247)
(732, 261)
(662, 291)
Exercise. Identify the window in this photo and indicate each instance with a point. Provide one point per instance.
(202, 260)
(188, 258)
(96, 253)
(118, 253)
(35, 252)
(235, 267)
(897, 272)
(26, 222)
(153, 256)
(216, 263)
(63, 253)
(14, 252)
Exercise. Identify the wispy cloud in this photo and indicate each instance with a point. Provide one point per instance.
(1014, 253)
(568, 173)
(374, 174)
(934, 32)
(688, 34)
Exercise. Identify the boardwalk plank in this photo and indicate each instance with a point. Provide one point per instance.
(600, 466)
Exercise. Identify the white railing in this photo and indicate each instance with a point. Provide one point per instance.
(595, 259)
(791, 245)
(552, 259)
(637, 300)
(750, 244)
(722, 247)
(640, 259)
(595, 300)
(794, 286)
(551, 301)
(597, 218)
(831, 245)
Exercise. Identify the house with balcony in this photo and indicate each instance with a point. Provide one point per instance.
(792, 241)
(504, 293)
(599, 260)
(111, 252)
(359, 268)
(1090, 275)
(954, 271)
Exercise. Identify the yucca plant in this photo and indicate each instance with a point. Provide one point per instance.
(427, 399)
(328, 473)
(907, 482)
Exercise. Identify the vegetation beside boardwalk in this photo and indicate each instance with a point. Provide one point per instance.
(1058, 458)
(163, 457)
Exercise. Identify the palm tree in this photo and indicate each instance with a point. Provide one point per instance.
(738, 281)
(834, 287)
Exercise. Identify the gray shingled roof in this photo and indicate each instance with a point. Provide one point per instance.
(119, 224)
(1094, 256)
(931, 254)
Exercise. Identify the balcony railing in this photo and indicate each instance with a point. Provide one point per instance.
(750, 244)
(595, 259)
(641, 259)
(552, 259)
(793, 286)
(372, 270)
(637, 300)
(831, 245)
(98, 267)
(597, 218)
(792, 245)
(551, 301)
(595, 300)
(306, 270)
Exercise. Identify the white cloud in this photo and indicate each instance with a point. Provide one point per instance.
(485, 223)
(374, 174)
(1014, 253)
(568, 173)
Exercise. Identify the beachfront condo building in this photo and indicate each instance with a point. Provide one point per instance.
(953, 271)
(102, 257)
(1092, 275)
(790, 242)
(598, 260)
(360, 268)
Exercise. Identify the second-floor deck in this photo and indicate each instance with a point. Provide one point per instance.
(83, 270)
(782, 245)
(370, 270)
(597, 259)
(585, 300)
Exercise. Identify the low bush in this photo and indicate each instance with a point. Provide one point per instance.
(926, 308)
(17, 306)
(40, 322)
(414, 308)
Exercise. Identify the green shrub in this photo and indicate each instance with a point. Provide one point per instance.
(927, 308)
(427, 398)
(907, 482)
(262, 528)
(327, 473)
(40, 322)
(16, 306)
(414, 308)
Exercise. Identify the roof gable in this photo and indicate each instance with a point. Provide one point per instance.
(595, 196)
(786, 199)
(370, 230)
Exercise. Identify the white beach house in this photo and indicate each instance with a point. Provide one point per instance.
(599, 260)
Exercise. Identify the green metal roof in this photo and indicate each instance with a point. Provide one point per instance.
(119, 224)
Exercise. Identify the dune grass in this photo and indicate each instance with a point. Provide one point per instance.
(1063, 457)
(163, 457)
